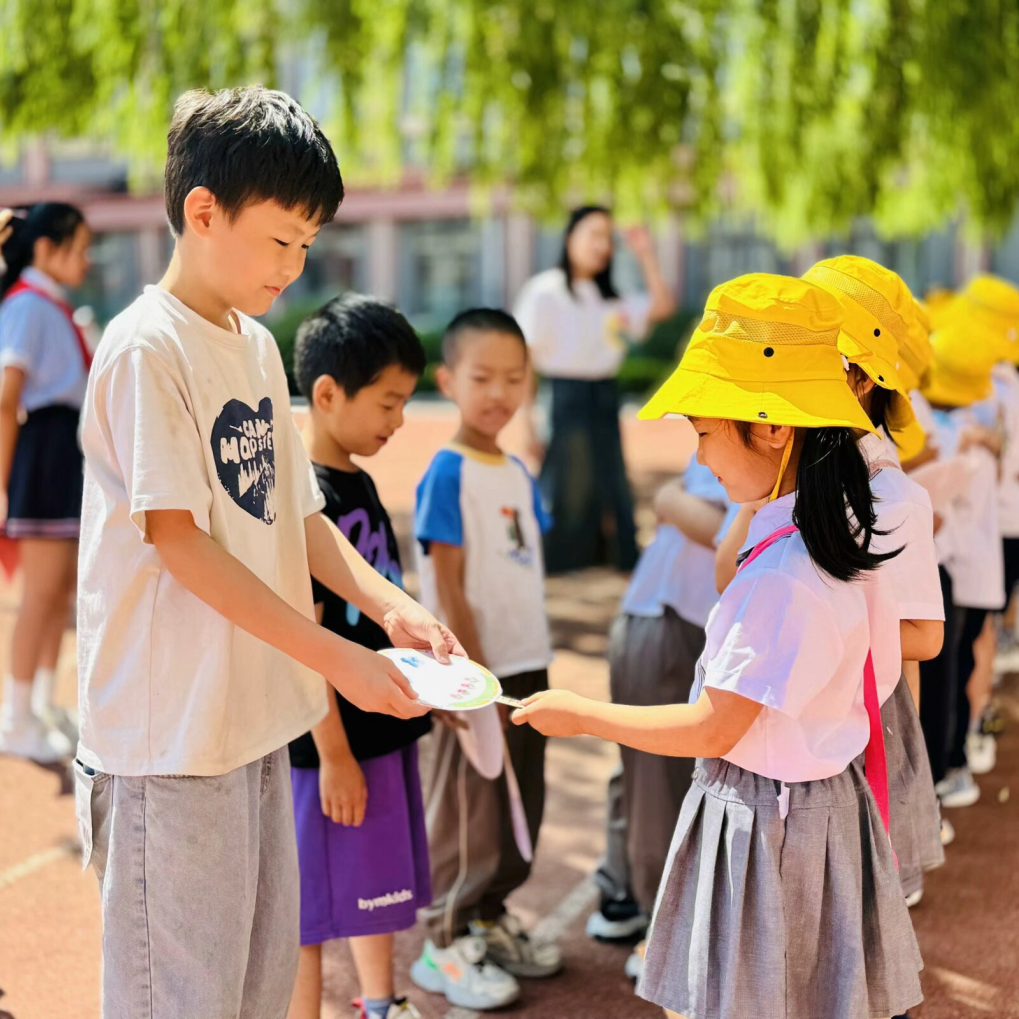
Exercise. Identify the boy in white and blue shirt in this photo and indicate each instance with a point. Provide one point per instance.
(479, 522)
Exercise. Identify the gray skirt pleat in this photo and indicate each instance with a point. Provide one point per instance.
(801, 918)
(914, 813)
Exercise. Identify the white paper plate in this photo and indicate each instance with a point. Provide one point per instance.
(462, 685)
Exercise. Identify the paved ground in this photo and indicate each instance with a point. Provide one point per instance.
(968, 924)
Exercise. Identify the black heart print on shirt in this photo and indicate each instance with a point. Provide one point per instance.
(242, 443)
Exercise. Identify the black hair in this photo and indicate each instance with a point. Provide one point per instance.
(55, 221)
(249, 145)
(603, 281)
(483, 320)
(879, 403)
(834, 508)
(353, 339)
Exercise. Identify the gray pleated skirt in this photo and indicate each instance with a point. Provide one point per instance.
(801, 918)
(913, 809)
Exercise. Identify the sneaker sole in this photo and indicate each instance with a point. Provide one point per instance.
(615, 930)
(526, 971)
(430, 979)
(48, 757)
(965, 799)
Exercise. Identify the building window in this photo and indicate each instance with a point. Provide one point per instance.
(440, 269)
(113, 281)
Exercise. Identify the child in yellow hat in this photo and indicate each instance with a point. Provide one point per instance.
(959, 389)
(801, 649)
(881, 319)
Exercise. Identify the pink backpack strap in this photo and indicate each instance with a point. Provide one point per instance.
(782, 532)
(875, 760)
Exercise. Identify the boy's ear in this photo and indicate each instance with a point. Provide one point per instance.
(199, 206)
(443, 377)
(323, 393)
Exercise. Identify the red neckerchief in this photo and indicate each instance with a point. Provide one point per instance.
(22, 287)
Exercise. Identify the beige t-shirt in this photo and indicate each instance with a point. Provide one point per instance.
(181, 414)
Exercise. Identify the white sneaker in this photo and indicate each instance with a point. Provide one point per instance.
(400, 1009)
(604, 926)
(512, 949)
(634, 967)
(913, 899)
(947, 832)
(957, 789)
(30, 738)
(462, 974)
(63, 720)
(981, 752)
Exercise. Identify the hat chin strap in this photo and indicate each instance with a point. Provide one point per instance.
(786, 453)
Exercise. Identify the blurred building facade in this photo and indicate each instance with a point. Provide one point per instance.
(432, 253)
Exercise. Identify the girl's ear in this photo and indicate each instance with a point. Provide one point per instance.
(859, 381)
(776, 436)
(443, 379)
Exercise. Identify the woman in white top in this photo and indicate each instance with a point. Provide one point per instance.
(578, 329)
(781, 897)
(44, 361)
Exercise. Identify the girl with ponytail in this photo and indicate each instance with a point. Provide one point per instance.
(44, 361)
(782, 842)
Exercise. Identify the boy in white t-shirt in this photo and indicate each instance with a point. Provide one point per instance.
(199, 657)
(479, 522)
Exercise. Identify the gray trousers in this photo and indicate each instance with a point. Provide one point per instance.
(651, 661)
(474, 857)
(200, 892)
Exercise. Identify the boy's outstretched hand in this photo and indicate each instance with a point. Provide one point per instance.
(373, 682)
(553, 713)
(410, 625)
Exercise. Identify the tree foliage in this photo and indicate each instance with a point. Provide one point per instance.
(809, 112)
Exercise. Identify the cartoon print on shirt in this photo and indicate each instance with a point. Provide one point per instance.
(242, 445)
(373, 547)
(519, 552)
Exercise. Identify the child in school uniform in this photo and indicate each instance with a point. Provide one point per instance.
(478, 522)
(992, 305)
(44, 361)
(880, 315)
(654, 645)
(361, 841)
(958, 388)
(801, 650)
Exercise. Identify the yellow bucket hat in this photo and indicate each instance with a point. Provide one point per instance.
(960, 370)
(766, 351)
(877, 305)
(915, 352)
(992, 305)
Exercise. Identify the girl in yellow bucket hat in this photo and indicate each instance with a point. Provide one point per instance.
(882, 321)
(975, 382)
(877, 305)
(967, 428)
(801, 649)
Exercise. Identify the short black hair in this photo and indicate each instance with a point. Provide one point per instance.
(352, 339)
(484, 320)
(249, 145)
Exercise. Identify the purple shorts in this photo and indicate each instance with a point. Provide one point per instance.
(367, 880)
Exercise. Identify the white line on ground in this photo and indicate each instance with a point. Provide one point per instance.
(552, 927)
(33, 863)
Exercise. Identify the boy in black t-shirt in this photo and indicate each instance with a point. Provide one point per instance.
(361, 838)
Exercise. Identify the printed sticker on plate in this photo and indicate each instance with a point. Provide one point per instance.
(462, 685)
